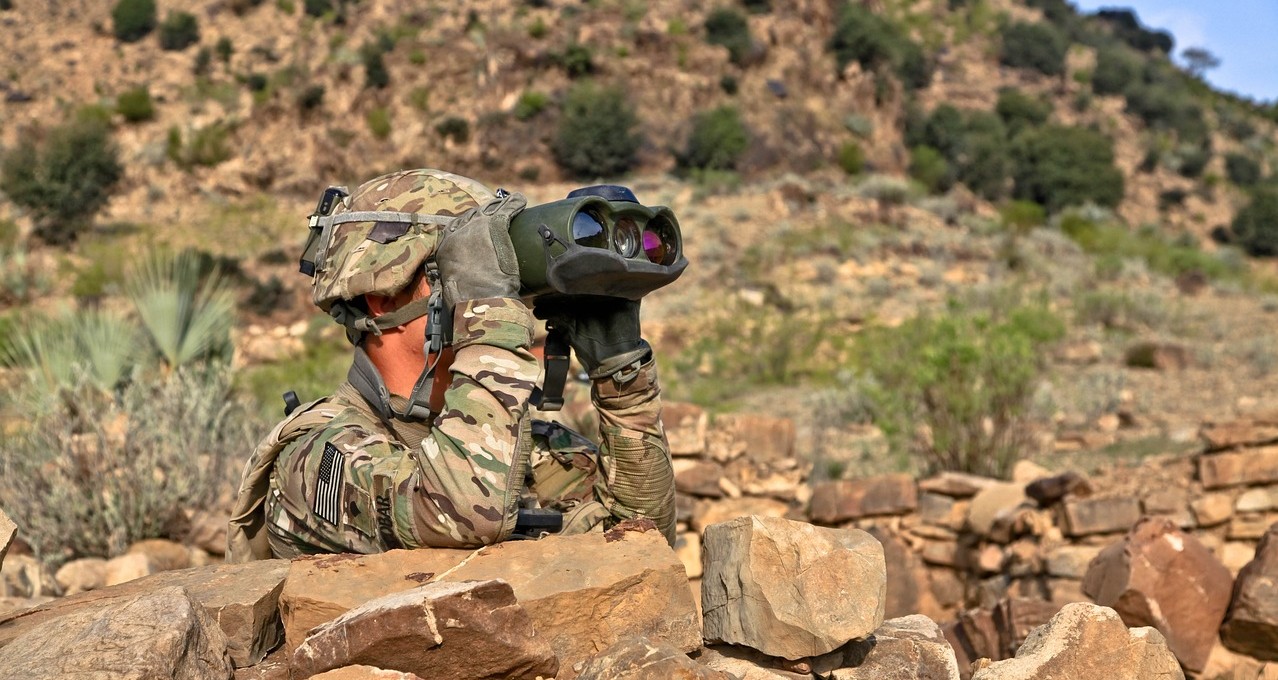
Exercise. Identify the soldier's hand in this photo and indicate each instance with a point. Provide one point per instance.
(476, 257)
(603, 331)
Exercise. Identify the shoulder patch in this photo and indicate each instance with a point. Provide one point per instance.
(328, 486)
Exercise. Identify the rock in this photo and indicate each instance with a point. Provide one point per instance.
(688, 548)
(208, 532)
(129, 567)
(908, 648)
(8, 530)
(12, 605)
(161, 635)
(364, 673)
(750, 664)
(77, 576)
(957, 484)
(163, 555)
(1212, 509)
(1087, 641)
(1251, 625)
(1026, 471)
(1088, 516)
(706, 513)
(1071, 561)
(631, 573)
(1160, 356)
(942, 553)
(790, 589)
(1225, 664)
(1146, 577)
(990, 502)
(839, 501)
(942, 511)
(1015, 618)
(1250, 431)
(448, 631)
(1050, 490)
(698, 478)
(1235, 555)
(907, 579)
(242, 598)
(1250, 527)
(1257, 500)
(685, 426)
(762, 438)
(24, 576)
(637, 658)
(1249, 466)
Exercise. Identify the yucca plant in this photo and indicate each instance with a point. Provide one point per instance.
(97, 347)
(186, 313)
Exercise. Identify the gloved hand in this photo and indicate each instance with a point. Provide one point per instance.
(603, 331)
(475, 256)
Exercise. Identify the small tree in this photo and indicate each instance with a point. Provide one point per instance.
(1034, 46)
(1116, 69)
(1062, 166)
(728, 28)
(1199, 61)
(1242, 170)
(1256, 226)
(179, 31)
(133, 19)
(1019, 110)
(596, 135)
(64, 178)
(717, 141)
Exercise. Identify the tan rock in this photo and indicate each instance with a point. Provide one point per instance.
(1145, 578)
(1087, 641)
(943, 511)
(990, 502)
(942, 553)
(1088, 516)
(685, 426)
(688, 548)
(637, 658)
(701, 478)
(448, 631)
(1251, 625)
(761, 438)
(1249, 466)
(13, 605)
(1249, 431)
(25, 576)
(1026, 471)
(77, 576)
(160, 635)
(790, 589)
(1212, 509)
(749, 664)
(842, 500)
(1257, 500)
(1071, 561)
(957, 484)
(1226, 664)
(908, 648)
(908, 591)
(364, 673)
(631, 573)
(208, 532)
(8, 531)
(163, 555)
(707, 512)
(1235, 555)
(129, 567)
(1250, 526)
(242, 598)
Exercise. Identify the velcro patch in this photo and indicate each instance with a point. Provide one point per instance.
(328, 487)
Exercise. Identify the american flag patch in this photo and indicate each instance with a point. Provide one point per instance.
(328, 488)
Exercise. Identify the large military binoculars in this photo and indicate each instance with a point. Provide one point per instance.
(598, 241)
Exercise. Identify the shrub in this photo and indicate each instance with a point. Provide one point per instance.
(575, 60)
(1019, 110)
(596, 135)
(22, 279)
(1022, 216)
(728, 28)
(1062, 166)
(1242, 169)
(1116, 69)
(135, 104)
(206, 147)
(1039, 47)
(311, 97)
(185, 309)
(876, 43)
(530, 104)
(379, 122)
(851, 158)
(132, 20)
(317, 8)
(454, 128)
(1256, 225)
(966, 377)
(179, 31)
(1127, 27)
(717, 140)
(225, 49)
(1169, 108)
(63, 179)
(928, 166)
(1192, 160)
(375, 73)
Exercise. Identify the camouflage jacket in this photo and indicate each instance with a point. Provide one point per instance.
(334, 477)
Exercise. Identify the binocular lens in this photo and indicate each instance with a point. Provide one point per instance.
(659, 243)
(625, 237)
(588, 230)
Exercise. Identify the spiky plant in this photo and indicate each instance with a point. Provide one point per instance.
(94, 346)
(187, 314)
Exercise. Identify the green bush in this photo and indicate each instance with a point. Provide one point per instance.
(65, 178)
(530, 104)
(1022, 216)
(929, 167)
(1242, 169)
(179, 31)
(596, 135)
(375, 73)
(132, 20)
(454, 128)
(876, 43)
(1116, 69)
(185, 305)
(206, 147)
(1039, 47)
(717, 140)
(851, 158)
(311, 97)
(225, 49)
(1168, 108)
(379, 122)
(1256, 225)
(1192, 160)
(728, 28)
(966, 377)
(575, 60)
(1059, 166)
(135, 104)
(973, 145)
(1019, 110)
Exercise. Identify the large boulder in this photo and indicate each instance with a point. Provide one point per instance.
(1087, 641)
(843, 500)
(1251, 625)
(241, 598)
(790, 589)
(157, 636)
(1147, 578)
(447, 631)
(908, 648)
(638, 658)
(583, 592)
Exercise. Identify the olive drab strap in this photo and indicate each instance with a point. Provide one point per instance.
(550, 395)
(246, 536)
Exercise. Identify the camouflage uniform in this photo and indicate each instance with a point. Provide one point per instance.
(337, 476)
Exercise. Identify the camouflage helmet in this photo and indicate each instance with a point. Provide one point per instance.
(375, 256)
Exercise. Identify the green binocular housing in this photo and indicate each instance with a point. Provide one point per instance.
(598, 241)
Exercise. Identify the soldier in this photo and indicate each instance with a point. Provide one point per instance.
(422, 448)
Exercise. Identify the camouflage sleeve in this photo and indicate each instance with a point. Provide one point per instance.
(636, 476)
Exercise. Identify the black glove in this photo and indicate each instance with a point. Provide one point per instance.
(603, 331)
(475, 256)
